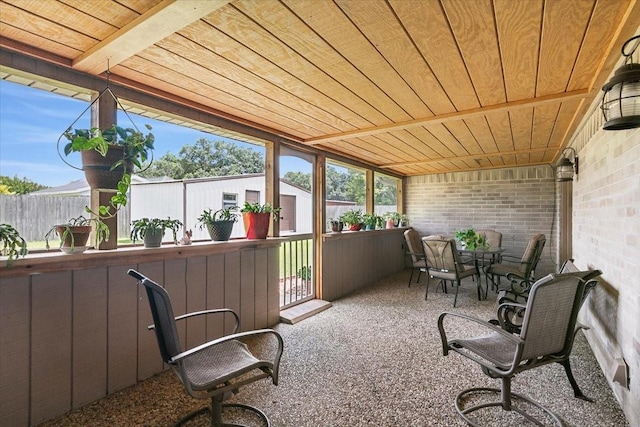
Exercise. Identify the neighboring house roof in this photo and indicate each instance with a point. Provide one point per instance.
(80, 187)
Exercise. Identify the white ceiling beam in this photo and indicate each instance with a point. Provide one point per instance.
(159, 22)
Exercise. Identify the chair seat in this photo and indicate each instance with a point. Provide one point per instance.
(469, 270)
(493, 347)
(219, 363)
(421, 263)
(504, 269)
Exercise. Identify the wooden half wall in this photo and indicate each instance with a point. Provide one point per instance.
(355, 259)
(73, 328)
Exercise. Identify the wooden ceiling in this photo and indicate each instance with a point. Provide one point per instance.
(413, 87)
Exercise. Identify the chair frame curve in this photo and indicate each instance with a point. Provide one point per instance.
(524, 354)
(223, 385)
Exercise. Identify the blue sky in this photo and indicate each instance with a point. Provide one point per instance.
(32, 120)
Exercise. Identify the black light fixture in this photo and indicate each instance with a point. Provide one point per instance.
(566, 168)
(621, 101)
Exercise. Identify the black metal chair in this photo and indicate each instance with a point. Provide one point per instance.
(216, 369)
(444, 263)
(523, 267)
(510, 312)
(414, 249)
(546, 336)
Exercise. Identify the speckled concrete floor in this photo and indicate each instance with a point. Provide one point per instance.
(373, 359)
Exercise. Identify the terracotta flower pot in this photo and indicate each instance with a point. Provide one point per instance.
(256, 224)
(76, 240)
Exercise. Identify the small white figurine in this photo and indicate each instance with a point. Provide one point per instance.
(186, 239)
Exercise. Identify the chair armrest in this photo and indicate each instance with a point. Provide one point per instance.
(213, 311)
(506, 312)
(516, 340)
(257, 332)
(443, 335)
(415, 254)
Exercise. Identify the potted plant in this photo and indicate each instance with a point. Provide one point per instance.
(109, 157)
(469, 239)
(74, 234)
(336, 225)
(256, 219)
(219, 223)
(370, 221)
(392, 218)
(404, 220)
(13, 245)
(354, 218)
(151, 230)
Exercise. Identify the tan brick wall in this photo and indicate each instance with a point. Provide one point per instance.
(606, 235)
(518, 202)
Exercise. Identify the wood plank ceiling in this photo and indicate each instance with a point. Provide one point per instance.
(413, 87)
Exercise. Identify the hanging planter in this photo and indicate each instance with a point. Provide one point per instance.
(109, 155)
(98, 169)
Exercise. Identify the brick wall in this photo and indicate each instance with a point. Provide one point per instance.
(518, 202)
(606, 235)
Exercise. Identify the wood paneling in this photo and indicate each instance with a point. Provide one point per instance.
(50, 356)
(352, 260)
(351, 77)
(15, 345)
(69, 337)
(89, 335)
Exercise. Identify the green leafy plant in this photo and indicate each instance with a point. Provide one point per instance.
(371, 220)
(470, 239)
(137, 150)
(225, 214)
(305, 272)
(13, 245)
(140, 227)
(352, 217)
(258, 208)
(65, 231)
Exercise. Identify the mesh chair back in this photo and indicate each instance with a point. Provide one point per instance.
(442, 254)
(163, 320)
(413, 243)
(550, 316)
(532, 254)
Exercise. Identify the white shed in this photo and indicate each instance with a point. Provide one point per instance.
(187, 199)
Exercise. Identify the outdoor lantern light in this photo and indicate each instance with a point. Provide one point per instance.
(565, 169)
(621, 100)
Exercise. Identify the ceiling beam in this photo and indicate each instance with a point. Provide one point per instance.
(159, 22)
(458, 115)
(472, 157)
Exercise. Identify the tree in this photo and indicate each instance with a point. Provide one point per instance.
(336, 184)
(206, 158)
(299, 179)
(16, 185)
(385, 190)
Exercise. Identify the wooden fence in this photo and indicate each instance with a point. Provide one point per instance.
(34, 215)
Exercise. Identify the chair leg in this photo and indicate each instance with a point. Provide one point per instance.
(411, 277)
(455, 298)
(426, 292)
(576, 390)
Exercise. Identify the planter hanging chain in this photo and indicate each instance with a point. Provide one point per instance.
(108, 90)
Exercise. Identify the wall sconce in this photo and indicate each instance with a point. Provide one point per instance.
(566, 168)
(621, 100)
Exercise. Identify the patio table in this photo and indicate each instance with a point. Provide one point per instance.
(478, 255)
